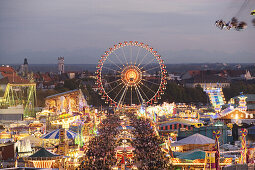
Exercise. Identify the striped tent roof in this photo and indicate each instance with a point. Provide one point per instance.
(55, 134)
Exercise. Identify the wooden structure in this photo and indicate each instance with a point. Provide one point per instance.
(192, 142)
(42, 159)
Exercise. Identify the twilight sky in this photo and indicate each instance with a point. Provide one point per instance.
(182, 31)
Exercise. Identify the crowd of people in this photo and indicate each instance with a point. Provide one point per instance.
(100, 153)
(148, 152)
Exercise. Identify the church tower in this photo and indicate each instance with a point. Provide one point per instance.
(25, 68)
(61, 66)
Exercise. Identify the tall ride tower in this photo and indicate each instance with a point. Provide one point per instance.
(61, 66)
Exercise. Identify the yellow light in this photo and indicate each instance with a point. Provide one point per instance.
(236, 117)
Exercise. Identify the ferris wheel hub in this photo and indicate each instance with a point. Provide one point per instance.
(131, 75)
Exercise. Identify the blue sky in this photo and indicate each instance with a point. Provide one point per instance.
(182, 31)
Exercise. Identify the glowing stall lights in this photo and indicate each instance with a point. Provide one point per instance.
(163, 110)
(65, 120)
(242, 102)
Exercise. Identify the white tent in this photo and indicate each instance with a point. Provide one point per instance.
(34, 141)
(196, 139)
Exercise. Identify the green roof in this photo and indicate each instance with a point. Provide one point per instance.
(195, 154)
(43, 153)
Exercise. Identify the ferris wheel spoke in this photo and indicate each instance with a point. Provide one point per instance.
(131, 54)
(131, 96)
(143, 59)
(124, 55)
(119, 92)
(151, 82)
(114, 63)
(139, 96)
(148, 88)
(143, 92)
(109, 83)
(114, 88)
(114, 81)
(124, 93)
(137, 55)
(124, 96)
(148, 63)
(121, 62)
(151, 69)
(112, 69)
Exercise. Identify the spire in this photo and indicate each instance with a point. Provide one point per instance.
(25, 61)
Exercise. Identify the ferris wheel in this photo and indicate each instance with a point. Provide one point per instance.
(131, 73)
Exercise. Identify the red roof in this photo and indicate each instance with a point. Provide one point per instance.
(14, 80)
(36, 76)
(194, 72)
(46, 78)
(5, 71)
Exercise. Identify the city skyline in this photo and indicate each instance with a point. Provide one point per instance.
(80, 31)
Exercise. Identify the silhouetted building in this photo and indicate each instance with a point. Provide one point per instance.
(61, 66)
(24, 68)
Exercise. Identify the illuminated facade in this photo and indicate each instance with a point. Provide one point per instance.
(67, 102)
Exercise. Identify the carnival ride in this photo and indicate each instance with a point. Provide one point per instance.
(234, 23)
(216, 97)
(130, 74)
(20, 94)
(253, 12)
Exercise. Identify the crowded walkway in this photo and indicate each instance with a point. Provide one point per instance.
(145, 144)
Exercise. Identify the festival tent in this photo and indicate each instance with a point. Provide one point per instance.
(43, 153)
(196, 141)
(55, 134)
(42, 159)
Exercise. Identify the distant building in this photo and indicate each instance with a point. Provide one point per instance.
(173, 77)
(23, 70)
(206, 81)
(206, 75)
(61, 66)
(239, 75)
(71, 75)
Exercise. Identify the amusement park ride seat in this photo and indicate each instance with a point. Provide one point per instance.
(253, 12)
